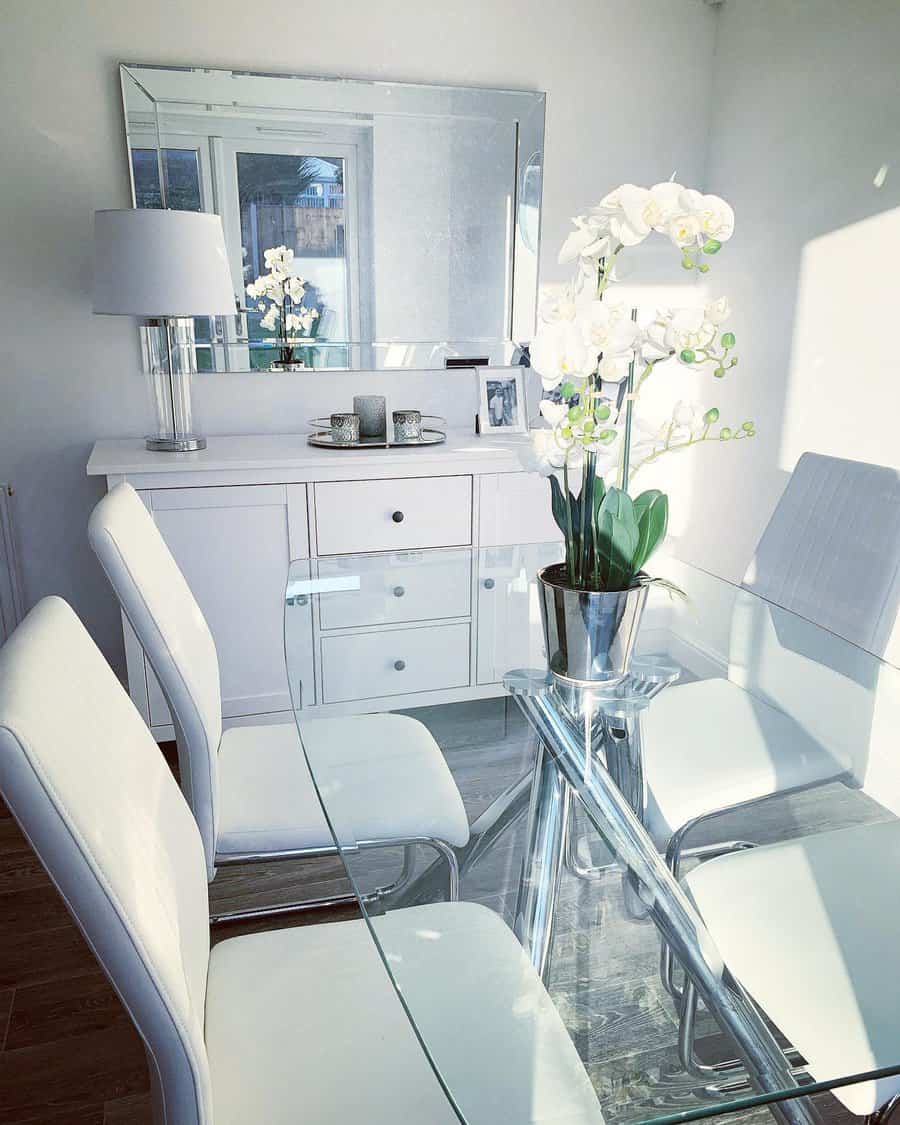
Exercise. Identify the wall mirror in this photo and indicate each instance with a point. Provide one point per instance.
(412, 213)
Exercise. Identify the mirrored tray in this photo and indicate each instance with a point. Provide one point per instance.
(324, 440)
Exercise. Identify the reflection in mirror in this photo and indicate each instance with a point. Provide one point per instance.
(368, 224)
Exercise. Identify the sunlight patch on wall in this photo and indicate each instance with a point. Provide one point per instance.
(843, 392)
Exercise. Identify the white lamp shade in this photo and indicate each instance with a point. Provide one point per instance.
(154, 263)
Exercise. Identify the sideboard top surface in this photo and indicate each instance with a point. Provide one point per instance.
(289, 457)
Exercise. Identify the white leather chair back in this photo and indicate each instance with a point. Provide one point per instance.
(168, 622)
(831, 551)
(85, 780)
(830, 555)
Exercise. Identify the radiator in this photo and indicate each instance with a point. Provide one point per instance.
(11, 604)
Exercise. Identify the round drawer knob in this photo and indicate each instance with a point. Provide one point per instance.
(488, 583)
(399, 665)
(399, 591)
(397, 517)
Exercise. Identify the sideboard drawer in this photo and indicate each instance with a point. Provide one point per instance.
(394, 662)
(419, 586)
(390, 515)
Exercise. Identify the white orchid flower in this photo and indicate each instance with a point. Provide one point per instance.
(553, 412)
(543, 453)
(295, 289)
(685, 413)
(653, 344)
(663, 205)
(559, 352)
(608, 328)
(625, 209)
(590, 240)
(614, 368)
(269, 320)
(716, 218)
(718, 311)
(689, 329)
(685, 230)
(278, 258)
(556, 302)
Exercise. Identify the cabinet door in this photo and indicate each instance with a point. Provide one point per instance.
(510, 634)
(515, 508)
(234, 546)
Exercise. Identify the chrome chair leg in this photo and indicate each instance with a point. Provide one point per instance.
(719, 1070)
(883, 1113)
(444, 850)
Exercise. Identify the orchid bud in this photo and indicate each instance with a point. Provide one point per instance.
(567, 390)
(711, 246)
(602, 412)
(687, 263)
(575, 412)
(703, 268)
(724, 434)
(712, 415)
(748, 427)
(606, 436)
(719, 372)
(588, 426)
(687, 356)
(728, 340)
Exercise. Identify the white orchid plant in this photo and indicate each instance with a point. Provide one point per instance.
(594, 359)
(279, 296)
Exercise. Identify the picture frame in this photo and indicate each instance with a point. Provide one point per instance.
(502, 407)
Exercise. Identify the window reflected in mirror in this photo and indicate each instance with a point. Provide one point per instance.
(402, 219)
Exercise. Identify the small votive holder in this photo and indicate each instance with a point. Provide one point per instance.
(372, 415)
(345, 429)
(407, 425)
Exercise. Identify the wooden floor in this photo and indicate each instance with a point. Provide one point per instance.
(68, 1053)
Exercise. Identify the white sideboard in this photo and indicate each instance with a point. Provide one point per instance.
(236, 514)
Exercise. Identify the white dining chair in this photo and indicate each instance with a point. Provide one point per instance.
(810, 928)
(779, 720)
(250, 787)
(278, 1027)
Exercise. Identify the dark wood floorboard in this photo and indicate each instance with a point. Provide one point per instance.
(68, 1053)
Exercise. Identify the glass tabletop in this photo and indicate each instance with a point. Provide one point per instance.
(659, 898)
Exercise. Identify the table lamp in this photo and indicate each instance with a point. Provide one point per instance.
(166, 267)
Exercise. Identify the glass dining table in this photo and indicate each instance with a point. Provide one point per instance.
(695, 869)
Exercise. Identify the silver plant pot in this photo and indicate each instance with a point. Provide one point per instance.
(590, 635)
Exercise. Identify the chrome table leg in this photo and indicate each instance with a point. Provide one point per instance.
(542, 862)
(673, 913)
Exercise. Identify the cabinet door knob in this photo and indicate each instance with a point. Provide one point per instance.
(399, 591)
(488, 583)
(397, 517)
(399, 665)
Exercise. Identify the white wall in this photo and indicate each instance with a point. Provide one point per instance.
(805, 113)
(627, 99)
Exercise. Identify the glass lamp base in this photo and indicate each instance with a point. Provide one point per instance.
(188, 444)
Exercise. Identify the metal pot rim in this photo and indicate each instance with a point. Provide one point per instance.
(559, 585)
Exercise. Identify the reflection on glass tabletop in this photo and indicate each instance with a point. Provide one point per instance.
(657, 899)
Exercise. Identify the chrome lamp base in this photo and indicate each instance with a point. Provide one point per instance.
(188, 444)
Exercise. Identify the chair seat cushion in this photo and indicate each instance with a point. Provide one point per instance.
(810, 928)
(304, 1025)
(711, 745)
(380, 776)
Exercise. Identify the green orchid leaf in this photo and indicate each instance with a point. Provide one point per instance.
(617, 539)
(558, 506)
(652, 513)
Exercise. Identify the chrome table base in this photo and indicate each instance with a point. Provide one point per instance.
(568, 760)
